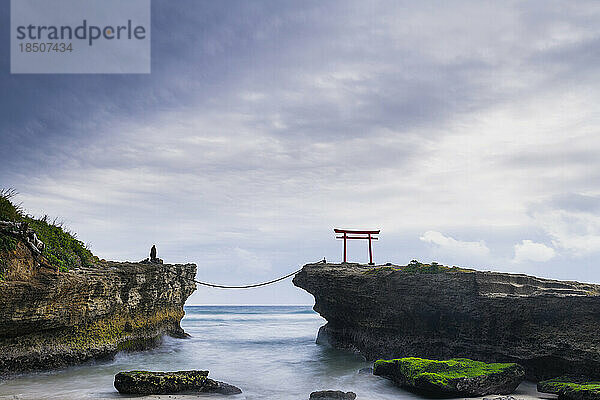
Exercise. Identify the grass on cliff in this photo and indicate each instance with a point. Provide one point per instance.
(62, 248)
(415, 267)
(439, 373)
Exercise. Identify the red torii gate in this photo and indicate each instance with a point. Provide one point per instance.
(364, 235)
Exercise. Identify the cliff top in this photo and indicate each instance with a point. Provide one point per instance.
(489, 284)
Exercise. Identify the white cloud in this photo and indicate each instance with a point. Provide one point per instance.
(456, 247)
(529, 250)
(574, 231)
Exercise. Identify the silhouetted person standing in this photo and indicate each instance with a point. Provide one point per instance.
(153, 253)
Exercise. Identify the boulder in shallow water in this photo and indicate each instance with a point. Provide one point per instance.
(455, 377)
(500, 398)
(332, 395)
(148, 382)
(571, 388)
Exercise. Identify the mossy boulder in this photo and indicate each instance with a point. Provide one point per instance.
(148, 382)
(571, 388)
(455, 377)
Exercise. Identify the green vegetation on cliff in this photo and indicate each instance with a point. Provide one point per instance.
(62, 248)
(415, 267)
(8, 210)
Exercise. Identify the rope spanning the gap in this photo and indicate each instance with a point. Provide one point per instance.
(254, 285)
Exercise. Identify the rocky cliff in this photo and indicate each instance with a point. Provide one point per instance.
(550, 327)
(51, 319)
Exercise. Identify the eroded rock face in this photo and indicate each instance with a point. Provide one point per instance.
(148, 382)
(57, 319)
(455, 377)
(549, 327)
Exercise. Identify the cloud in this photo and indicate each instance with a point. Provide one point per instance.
(528, 250)
(456, 247)
(575, 232)
(572, 221)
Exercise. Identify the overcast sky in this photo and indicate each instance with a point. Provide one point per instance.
(467, 131)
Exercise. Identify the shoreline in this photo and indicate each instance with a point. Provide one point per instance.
(525, 391)
(254, 351)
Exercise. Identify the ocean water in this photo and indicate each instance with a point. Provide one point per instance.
(267, 351)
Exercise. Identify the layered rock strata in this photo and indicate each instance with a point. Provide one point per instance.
(549, 327)
(52, 319)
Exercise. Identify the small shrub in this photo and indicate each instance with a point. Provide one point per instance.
(7, 242)
(8, 210)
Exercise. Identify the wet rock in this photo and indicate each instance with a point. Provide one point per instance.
(223, 388)
(367, 370)
(500, 398)
(148, 382)
(571, 388)
(455, 377)
(332, 395)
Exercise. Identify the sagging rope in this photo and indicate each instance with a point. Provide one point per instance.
(246, 286)
(254, 285)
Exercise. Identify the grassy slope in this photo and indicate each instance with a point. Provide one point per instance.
(62, 251)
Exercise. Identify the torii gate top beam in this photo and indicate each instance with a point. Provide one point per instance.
(354, 231)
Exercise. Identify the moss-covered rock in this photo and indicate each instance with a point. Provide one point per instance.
(458, 376)
(148, 382)
(571, 388)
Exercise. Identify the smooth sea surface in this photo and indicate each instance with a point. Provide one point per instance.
(267, 351)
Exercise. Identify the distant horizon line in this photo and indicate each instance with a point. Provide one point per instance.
(240, 305)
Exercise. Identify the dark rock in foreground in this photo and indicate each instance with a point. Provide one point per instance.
(147, 382)
(569, 388)
(332, 395)
(456, 377)
(500, 398)
(549, 327)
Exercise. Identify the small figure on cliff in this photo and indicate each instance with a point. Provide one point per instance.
(152, 259)
(153, 253)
